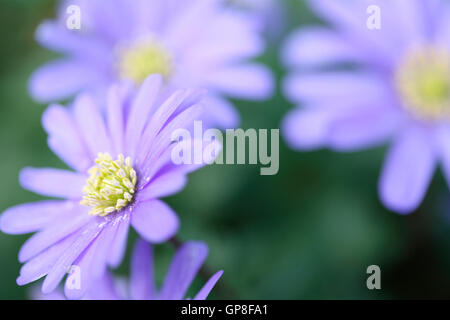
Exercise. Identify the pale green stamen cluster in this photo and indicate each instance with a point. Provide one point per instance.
(110, 186)
(423, 81)
(144, 58)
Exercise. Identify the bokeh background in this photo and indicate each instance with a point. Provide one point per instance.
(309, 232)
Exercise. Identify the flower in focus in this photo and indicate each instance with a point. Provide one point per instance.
(398, 89)
(121, 161)
(190, 43)
(141, 286)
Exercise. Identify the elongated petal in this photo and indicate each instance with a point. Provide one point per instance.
(140, 111)
(61, 79)
(250, 81)
(70, 255)
(115, 119)
(154, 221)
(53, 182)
(119, 242)
(163, 186)
(206, 289)
(334, 87)
(306, 129)
(183, 269)
(315, 46)
(64, 138)
(407, 171)
(30, 217)
(91, 125)
(59, 229)
(41, 264)
(142, 286)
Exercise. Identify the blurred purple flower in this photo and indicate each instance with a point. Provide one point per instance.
(123, 160)
(398, 92)
(192, 44)
(141, 286)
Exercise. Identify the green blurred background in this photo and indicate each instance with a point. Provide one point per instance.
(309, 232)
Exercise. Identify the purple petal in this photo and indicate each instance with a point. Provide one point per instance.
(30, 217)
(115, 118)
(159, 119)
(407, 171)
(317, 45)
(104, 244)
(65, 261)
(61, 79)
(41, 264)
(91, 125)
(140, 111)
(335, 87)
(230, 37)
(183, 269)
(63, 226)
(84, 263)
(220, 112)
(163, 186)
(53, 182)
(307, 128)
(250, 81)
(64, 138)
(104, 288)
(142, 286)
(206, 289)
(119, 242)
(363, 128)
(164, 138)
(56, 37)
(154, 221)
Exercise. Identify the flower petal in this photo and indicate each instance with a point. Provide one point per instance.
(206, 289)
(91, 125)
(30, 217)
(183, 269)
(154, 221)
(163, 186)
(62, 227)
(317, 45)
(41, 264)
(140, 111)
(64, 138)
(307, 128)
(117, 249)
(53, 182)
(61, 266)
(250, 81)
(407, 171)
(61, 79)
(142, 286)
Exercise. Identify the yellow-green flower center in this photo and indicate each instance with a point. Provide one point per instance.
(110, 186)
(144, 58)
(423, 81)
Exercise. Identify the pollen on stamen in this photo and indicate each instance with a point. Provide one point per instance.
(423, 81)
(110, 186)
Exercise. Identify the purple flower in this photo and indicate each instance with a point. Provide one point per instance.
(398, 90)
(122, 165)
(190, 43)
(141, 286)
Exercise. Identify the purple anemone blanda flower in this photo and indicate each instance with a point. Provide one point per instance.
(191, 44)
(397, 91)
(121, 160)
(141, 286)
